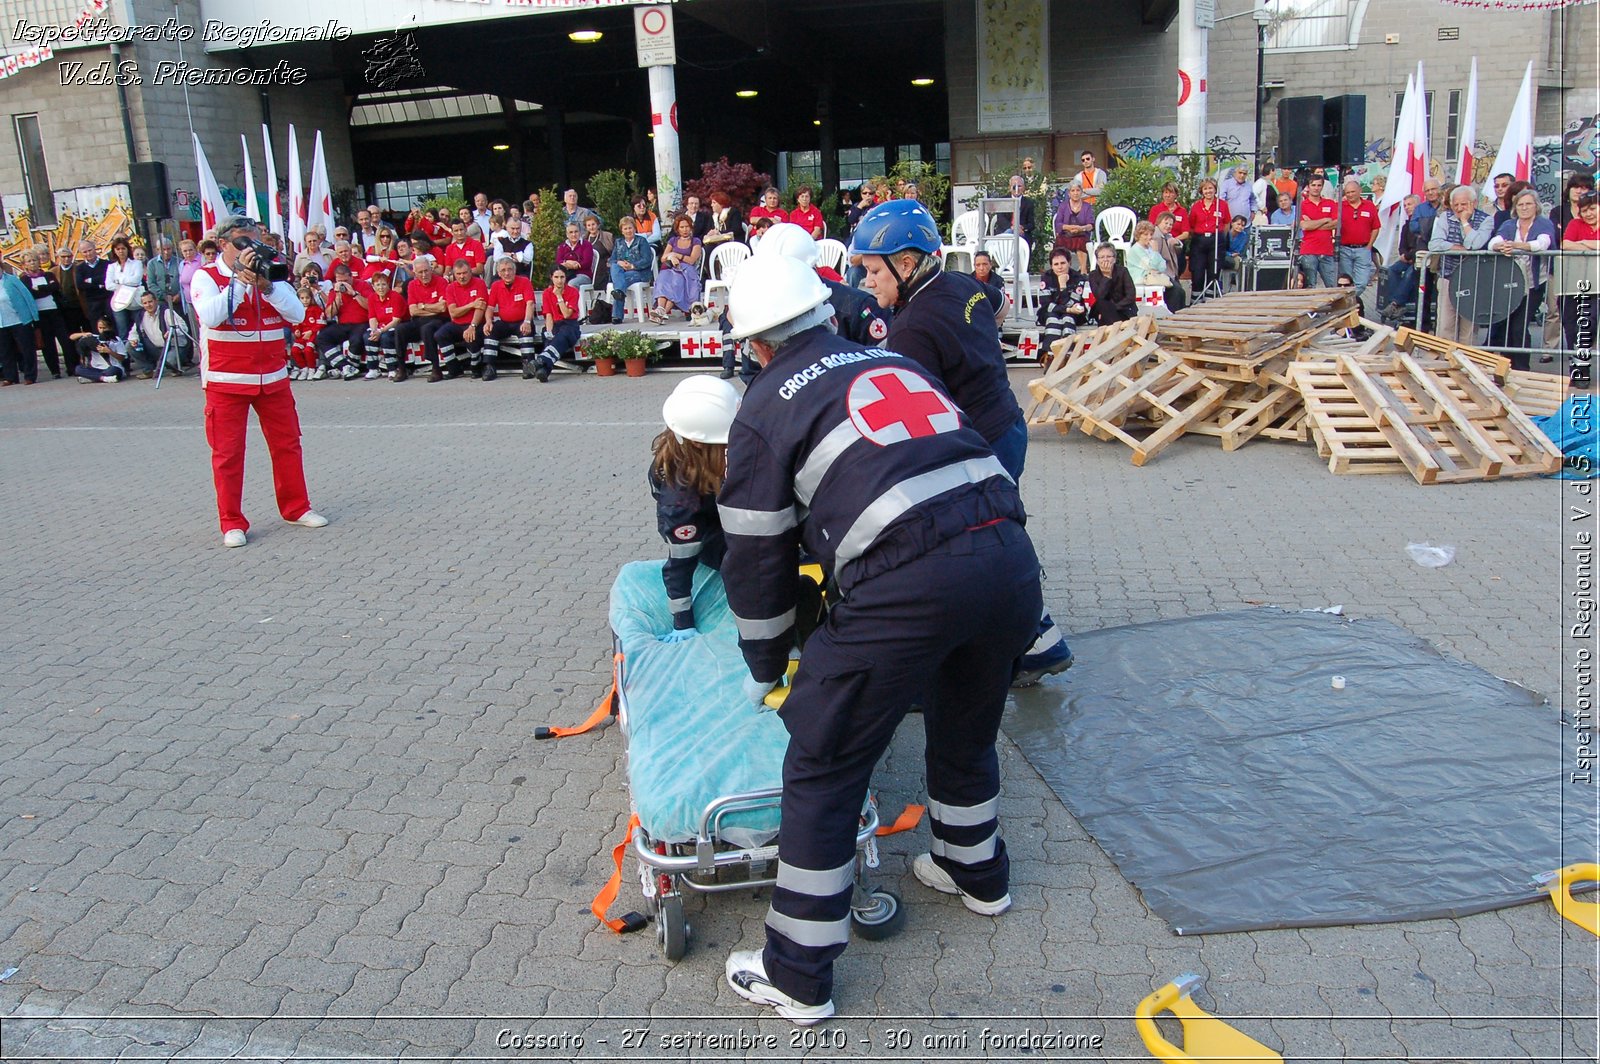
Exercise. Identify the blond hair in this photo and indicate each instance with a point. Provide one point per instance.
(700, 466)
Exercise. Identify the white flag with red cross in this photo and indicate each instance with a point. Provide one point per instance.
(212, 209)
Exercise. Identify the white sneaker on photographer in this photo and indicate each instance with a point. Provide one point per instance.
(233, 537)
(932, 875)
(747, 975)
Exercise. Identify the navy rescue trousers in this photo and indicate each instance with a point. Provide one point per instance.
(943, 630)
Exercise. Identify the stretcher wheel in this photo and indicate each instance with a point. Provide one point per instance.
(883, 917)
(672, 930)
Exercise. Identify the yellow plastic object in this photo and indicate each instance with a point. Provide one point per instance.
(1205, 1038)
(1586, 914)
(814, 571)
(776, 696)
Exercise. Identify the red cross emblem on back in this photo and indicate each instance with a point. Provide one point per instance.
(892, 405)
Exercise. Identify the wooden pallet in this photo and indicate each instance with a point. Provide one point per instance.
(1250, 410)
(1176, 394)
(1536, 394)
(1081, 360)
(1445, 420)
(1243, 324)
(1408, 339)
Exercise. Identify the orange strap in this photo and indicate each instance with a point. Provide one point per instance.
(909, 818)
(601, 712)
(608, 894)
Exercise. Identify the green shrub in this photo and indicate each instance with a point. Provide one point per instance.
(548, 230)
(1136, 185)
(450, 203)
(611, 194)
(933, 188)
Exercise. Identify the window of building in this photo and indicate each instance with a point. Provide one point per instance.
(35, 177)
(805, 168)
(1427, 103)
(1303, 25)
(1452, 126)
(405, 106)
(399, 197)
(858, 164)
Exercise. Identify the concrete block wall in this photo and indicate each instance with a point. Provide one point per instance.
(81, 126)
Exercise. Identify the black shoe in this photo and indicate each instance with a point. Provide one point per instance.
(542, 374)
(488, 371)
(435, 377)
(727, 374)
(527, 369)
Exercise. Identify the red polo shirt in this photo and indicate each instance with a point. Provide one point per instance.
(351, 312)
(1357, 223)
(562, 307)
(386, 310)
(432, 292)
(807, 218)
(1578, 229)
(1180, 217)
(511, 303)
(456, 295)
(1214, 220)
(776, 214)
(472, 251)
(1317, 241)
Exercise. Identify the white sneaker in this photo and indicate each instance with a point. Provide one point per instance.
(747, 975)
(933, 876)
(311, 519)
(370, 375)
(233, 537)
(320, 375)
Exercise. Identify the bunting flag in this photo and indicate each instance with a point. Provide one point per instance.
(212, 209)
(1469, 129)
(274, 218)
(297, 199)
(319, 204)
(1408, 169)
(1515, 156)
(251, 208)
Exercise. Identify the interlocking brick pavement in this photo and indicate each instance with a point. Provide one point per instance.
(283, 802)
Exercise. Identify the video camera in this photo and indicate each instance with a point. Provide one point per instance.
(269, 261)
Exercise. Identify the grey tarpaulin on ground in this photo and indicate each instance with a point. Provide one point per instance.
(1212, 759)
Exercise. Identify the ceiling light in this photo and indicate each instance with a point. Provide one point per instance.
(746, 94)
(501, 147)
(585, 36)
(816, 121)
(922, 83)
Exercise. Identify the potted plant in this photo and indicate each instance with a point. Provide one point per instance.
(626, 345)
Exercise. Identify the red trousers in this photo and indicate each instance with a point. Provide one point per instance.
(227, 416)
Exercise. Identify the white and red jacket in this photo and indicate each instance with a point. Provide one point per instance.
(242, 330)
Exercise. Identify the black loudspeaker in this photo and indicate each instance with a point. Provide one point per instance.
(1300, 131)
(1267, 277)
(1344, 130)
(147, 189)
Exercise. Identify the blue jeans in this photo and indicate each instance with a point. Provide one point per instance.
(1319, 270)
(1356, 262)
(1402, 282)
(620, 280)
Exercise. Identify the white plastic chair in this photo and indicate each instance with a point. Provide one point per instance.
(833, 254)
(1001, 249)
(726, 258)
(965, 232)
(1114, 226)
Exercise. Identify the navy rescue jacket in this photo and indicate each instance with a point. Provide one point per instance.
(688, 522)
(947, 324)
(860, 318)
(860, 455)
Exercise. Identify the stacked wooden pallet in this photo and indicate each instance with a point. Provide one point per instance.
(1279, 366)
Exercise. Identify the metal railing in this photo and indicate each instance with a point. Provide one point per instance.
(1497, 310)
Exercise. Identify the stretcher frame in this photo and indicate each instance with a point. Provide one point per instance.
(669, 871)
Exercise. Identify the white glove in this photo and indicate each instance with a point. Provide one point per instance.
(755, 691)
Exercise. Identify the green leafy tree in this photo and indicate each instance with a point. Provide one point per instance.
(933, 188)
(612, 192)
(1136, 184)
(1047, 189)
(548, 230)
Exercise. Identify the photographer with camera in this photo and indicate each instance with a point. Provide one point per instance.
(244, 303)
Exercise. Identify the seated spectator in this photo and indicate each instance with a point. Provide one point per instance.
(386, 311)
(344, 251)
(466, 300)
(1266, 195)
(866, 199)
(425, 307)
(1400, 276)
(509, 320)
(102, 355)
(701, 217)
(983, 270)
(632, 260)
(313, 253)
(303, 336)
(572, 214)
(341, 232)
(1161, 241)
(1064, 306)
(383, 247)
(645, 222)
(516, 244)
(464, 216)
(405, 260)
(678, 283)
(310, 275)
(1150, 269)
(726, 221)
(602, 242)
(1115, 298)
(345, 317)
(158, 331)
(1179, 235)
(1074, 225)
(482, 215)
(806, 216)
(769, 207)
(1238, 244)
(575, 256)
(463, 248)
(758, 229)
(1284, 214)
(562, 325)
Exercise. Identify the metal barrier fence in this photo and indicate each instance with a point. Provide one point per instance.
(1487, 301)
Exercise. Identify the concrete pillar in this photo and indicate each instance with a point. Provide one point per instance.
(1192, 47)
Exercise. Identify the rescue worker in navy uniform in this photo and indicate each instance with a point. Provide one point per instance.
(947, 322)
(859, 455)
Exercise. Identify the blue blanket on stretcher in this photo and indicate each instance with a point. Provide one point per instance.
(692, 737)
(1573, 428)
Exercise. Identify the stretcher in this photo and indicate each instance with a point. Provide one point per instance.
(705, 767)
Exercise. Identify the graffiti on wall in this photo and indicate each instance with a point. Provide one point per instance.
(1223, 145)
(100, 214)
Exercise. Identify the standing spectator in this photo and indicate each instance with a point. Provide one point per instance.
(575, 256)
(1432, 202)
(1288, 188)
(510, 316)
(1090, 179)
(1358, 229)
(1074, 224)
(571, 213)
(425, 304)
(162, 274)
(645, 222)
(1319, 218)
(89, 278)
(1502, 198)
(1571, 196)
(242, 367)
(1115, 298)
(806, 216)
(48, 301)
(1180, 223)
(482, 216)
(1522, 236)
(1032, 180)
(1240, 194)
(1266, 193)
(19, 360)
(124, 280)
(769, 208)
(157, 333)
(420, 221)
(303, 343)
(631, 262)
(1577, 312)
(1208, 221)
(466, 300)
(678, 283)
(347, 315)
(1462, 228)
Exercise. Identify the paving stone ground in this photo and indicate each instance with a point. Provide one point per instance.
(283, 802)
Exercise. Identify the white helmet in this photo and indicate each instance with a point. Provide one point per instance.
(771, 291)
(789, 239)
(701, 408)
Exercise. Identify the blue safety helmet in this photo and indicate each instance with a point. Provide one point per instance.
(897, 225)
